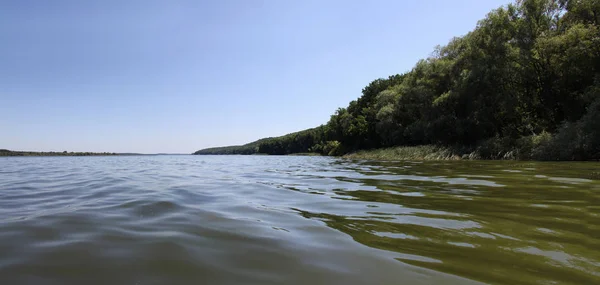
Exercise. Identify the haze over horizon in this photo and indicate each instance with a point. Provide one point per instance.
(178, 76)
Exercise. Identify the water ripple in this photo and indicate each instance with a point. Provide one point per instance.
(295, 220)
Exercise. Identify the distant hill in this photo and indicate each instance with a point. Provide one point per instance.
(296, 142)
(249, 148)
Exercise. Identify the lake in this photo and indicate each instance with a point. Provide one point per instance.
(296, 220)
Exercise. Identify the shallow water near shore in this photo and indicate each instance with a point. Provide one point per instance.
(296, 220)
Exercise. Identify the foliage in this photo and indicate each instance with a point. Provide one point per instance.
(520, 85)
(249, 148)
(575, 141)
(299, 142)
(526, 69)
(422, 152)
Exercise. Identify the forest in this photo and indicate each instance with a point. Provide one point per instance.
(524, 84)
(249, 148)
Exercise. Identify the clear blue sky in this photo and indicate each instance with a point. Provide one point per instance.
(176, 76)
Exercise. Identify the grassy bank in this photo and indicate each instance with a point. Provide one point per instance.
(567, 145)
(423, 152)
(305, 154)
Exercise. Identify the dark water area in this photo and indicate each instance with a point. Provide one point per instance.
(296, 220)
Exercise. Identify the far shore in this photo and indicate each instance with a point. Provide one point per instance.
(5, 152)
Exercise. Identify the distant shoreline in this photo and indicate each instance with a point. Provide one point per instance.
(6, 152)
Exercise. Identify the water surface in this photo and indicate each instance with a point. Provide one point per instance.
(296, 220)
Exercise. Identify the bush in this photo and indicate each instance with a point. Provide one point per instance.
(332, 148)
(590, 131)
(574, 141)
(496, 148)
(317, 148)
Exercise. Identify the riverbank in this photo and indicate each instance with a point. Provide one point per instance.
(305, 154)
(543, 147)
(424, 152)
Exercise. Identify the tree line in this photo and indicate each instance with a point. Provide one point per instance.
(525, 79)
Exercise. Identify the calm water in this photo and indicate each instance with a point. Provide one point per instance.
(296, 220)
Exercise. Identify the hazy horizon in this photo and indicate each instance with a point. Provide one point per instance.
(178, 76)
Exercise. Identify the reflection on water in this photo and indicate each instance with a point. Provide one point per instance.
(296, 220)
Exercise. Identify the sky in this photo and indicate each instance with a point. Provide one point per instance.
(176, 76)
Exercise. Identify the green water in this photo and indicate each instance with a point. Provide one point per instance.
(512, 222)
(296, 220)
